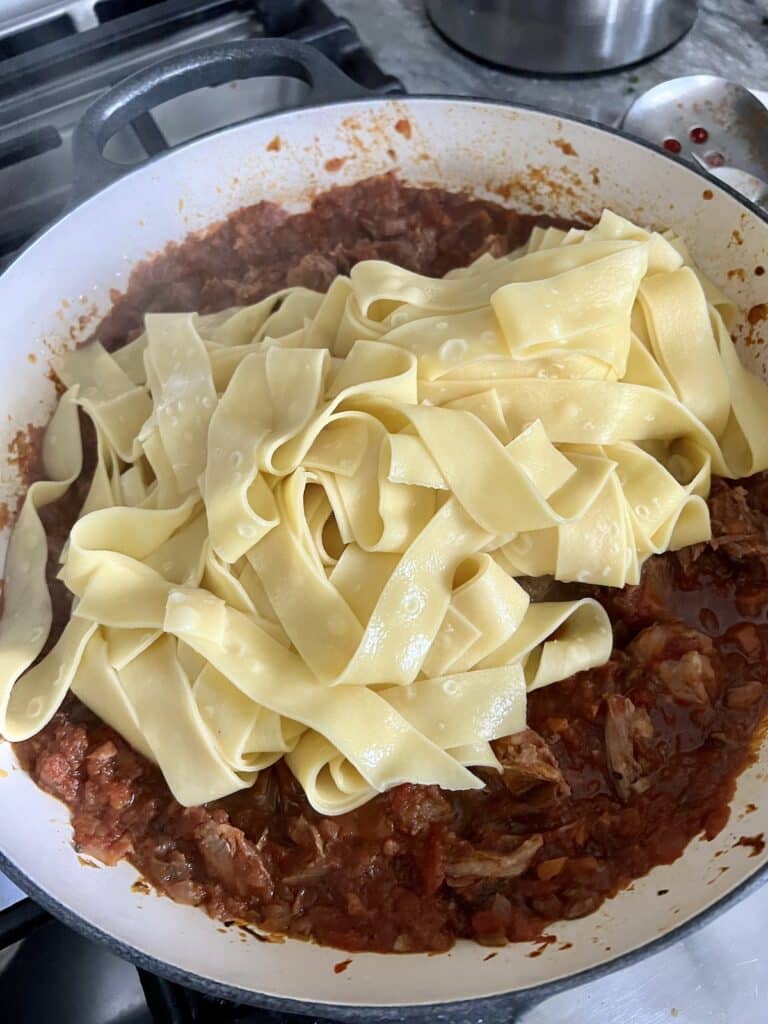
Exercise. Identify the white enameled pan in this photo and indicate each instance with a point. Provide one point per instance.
(525, 158)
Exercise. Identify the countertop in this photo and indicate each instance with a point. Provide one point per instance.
(717, 974)
(729, 38)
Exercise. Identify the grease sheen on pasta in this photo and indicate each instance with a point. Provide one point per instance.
(303, 534)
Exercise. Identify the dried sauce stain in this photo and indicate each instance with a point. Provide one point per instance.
(663, 892)
(181, 205)
(246, 929)
(565, 147)
(403, 126)
(736, 237)
(489, 957)
(391, 153)
(335, 164)
(755, 844)
(3, 773)
(275, 145)
(750, 808)
(141, 887)
(24, 452)
(541, 190)
(737, 272)
(84, 321)
(751, 331)
(565, 945)
(32, 358)
(5, 515)
(707, 194)
(757, 313)
(87, 863)
(341, 966)
(543, 942)
(594, 173)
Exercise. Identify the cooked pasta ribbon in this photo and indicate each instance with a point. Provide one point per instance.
(308, 520)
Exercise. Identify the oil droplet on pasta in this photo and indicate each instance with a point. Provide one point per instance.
(450, 687)
(643, 511)
(236, 459)
(441, 325)
(187, 620)
(34, 707)
(246, 530)
(583, 575)
(571, 410)
(452, 349)
(412, 605)
(206, 401)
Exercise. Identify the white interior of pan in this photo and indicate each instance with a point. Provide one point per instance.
(539, 162)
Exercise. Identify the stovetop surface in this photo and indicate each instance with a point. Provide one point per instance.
(715, 975)
(729, 38)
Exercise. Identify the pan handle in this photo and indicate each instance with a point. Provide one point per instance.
(207, 66)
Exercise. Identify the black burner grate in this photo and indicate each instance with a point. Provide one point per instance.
(51, 70)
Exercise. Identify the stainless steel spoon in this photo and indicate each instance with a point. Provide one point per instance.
(707, 120)
(750, 186)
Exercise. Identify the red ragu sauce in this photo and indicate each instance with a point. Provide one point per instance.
(619, 769)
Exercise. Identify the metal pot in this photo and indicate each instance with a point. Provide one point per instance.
(537, 162)
(558, 37)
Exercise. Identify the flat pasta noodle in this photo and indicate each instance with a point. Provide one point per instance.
(307, 517)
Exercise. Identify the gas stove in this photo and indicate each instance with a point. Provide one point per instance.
(56, 57)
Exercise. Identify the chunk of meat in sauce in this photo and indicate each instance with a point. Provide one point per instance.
(738, 530)
(681, 658)
(625, 727)
(527, 761)
(467, 864)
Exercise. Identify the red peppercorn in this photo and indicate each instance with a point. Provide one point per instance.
(698, 135)
(672, 145)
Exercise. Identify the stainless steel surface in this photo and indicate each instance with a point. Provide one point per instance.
(750, 186)
(709, 118)
(716, 975)
(563, 36)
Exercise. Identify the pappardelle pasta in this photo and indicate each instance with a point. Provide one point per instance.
(309, 518)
